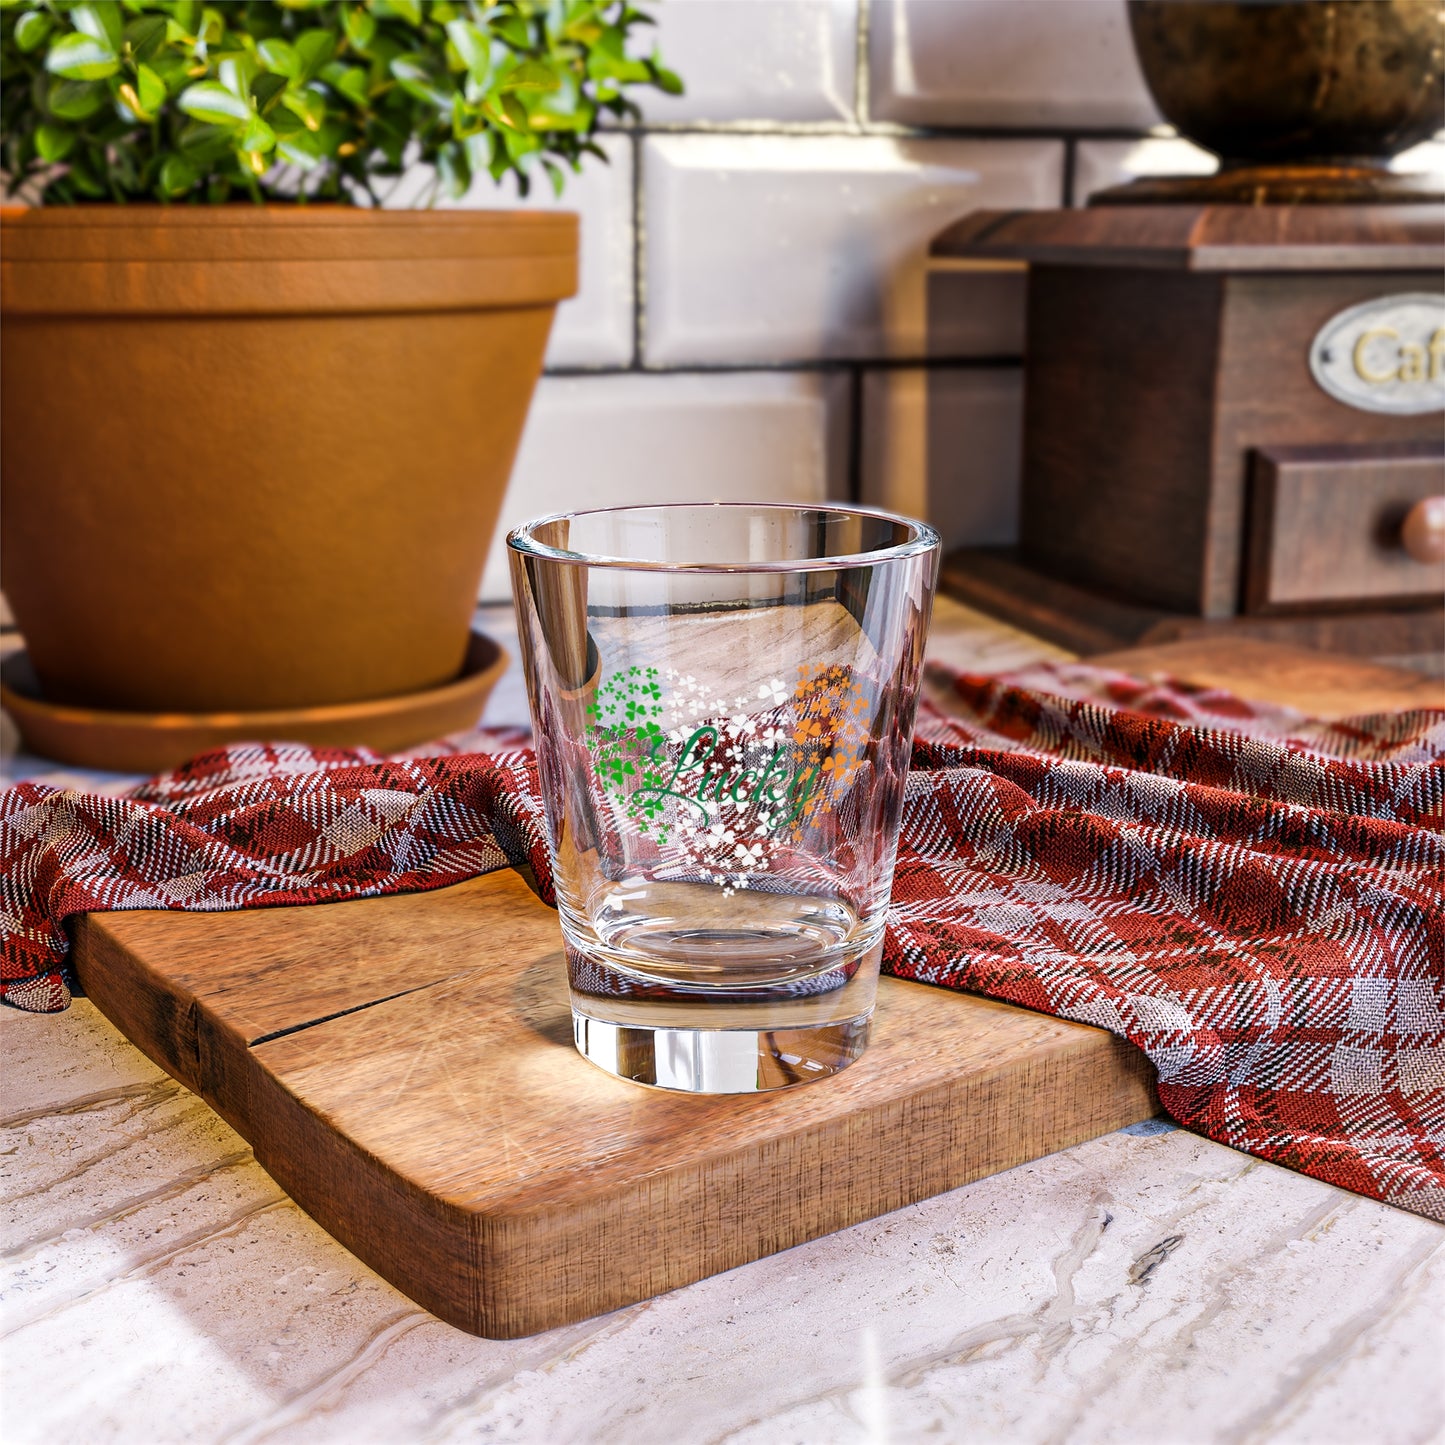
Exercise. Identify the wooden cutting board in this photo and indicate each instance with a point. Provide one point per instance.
(403, 1067)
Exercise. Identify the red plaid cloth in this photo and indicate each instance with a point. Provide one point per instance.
(1252, 898)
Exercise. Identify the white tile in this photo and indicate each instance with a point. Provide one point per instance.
(1099, 164)
(976, 308)
(600, 441)
(1006, 63)
(943, 445)
(789, 248)
(594, 328)
(1427, 158)
(780, 60)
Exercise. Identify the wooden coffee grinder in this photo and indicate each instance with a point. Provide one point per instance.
(1234, 383)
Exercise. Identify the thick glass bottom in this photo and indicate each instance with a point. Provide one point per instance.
(720, 1061)
(702, 1037)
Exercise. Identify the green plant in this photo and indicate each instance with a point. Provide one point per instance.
(174, 100)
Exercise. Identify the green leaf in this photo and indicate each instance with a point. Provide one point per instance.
(145, 36)
(414, 78)
(75, 99)
(408, 10)
(348, 80)
(150, 88)
(308, 107)
(177, 175)
(258, 136)
(186, 14)
(203, 145)
(455, 173)
(279, 57)
(474, 46)
(360, 27)
(301, 148)
(31, 28)
(208, 101)
(513, 29)
(531, 75)
(232, 74)
(514, 87)
(515, 112)
(100, 20)
(265, 89)
(82, 57)
(314, 48)
(53, 142)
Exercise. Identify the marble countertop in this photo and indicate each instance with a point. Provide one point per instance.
(1148, 1286)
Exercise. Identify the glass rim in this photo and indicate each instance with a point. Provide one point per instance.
(924, 539)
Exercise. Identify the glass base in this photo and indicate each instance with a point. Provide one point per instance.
(720, 1061)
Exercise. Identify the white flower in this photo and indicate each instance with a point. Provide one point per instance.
(750, 855)
(721, 835)
(743, 724)
(774, 691)
(774, 735)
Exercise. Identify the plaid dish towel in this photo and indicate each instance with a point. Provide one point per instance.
(1251, 897)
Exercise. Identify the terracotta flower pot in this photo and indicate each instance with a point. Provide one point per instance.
(253, 457)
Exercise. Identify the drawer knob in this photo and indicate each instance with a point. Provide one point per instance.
(1423, 531)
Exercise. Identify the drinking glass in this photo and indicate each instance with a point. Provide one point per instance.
(723, 699)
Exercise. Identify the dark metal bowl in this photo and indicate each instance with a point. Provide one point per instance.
(1299, 81)
(1304, 101)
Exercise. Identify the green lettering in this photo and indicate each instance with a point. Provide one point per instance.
(765, 788)
(717, 780)
(733, 791)
(804, 786)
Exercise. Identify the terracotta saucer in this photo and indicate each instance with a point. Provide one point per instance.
(142, 742)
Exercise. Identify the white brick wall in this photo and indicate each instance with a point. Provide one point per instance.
(1005, 63)
(594, 328)
(758, 60)
(777, 248)
(603, 441)
(757, 314)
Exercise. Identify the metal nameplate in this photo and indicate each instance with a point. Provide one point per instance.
(1385, 355)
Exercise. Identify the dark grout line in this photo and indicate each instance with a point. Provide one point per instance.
(855, 435)
(859, 364)
(861, 97)
(639, 279)
(888, 130)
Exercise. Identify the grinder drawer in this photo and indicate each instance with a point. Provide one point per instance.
(1326, 526)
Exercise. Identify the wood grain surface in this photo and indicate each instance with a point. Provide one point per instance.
(1318, 683)
(1205, 238)
(1091, 620)
(1327, 521)
(403, 1067)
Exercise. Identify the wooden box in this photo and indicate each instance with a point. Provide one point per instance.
(1168, 380)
